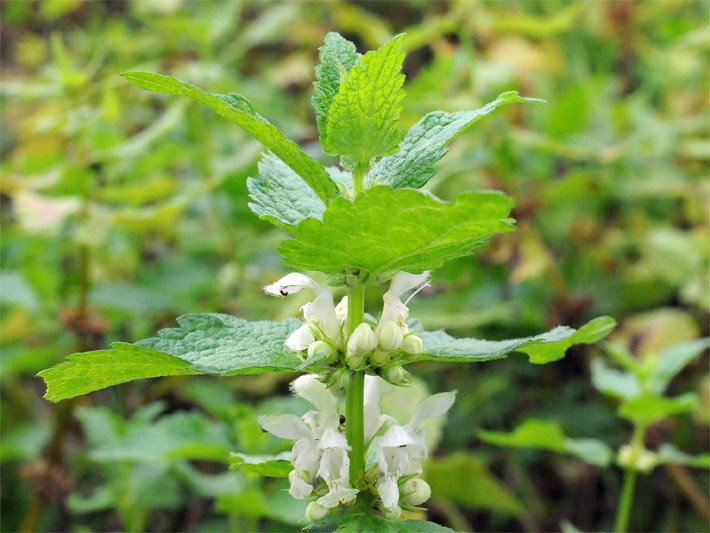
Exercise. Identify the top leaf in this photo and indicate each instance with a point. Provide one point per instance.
(337, 57)
(240, 111)
(427, 142)
(363, 120)
(384, 231)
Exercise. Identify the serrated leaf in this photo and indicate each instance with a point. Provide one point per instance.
(650, 408)
(548, 435)
(448, 475)
(363, 120)
(262, 465)
(337, 56)
(240, 111)
(669, 454)
(203, 344)
(385, 230)
(427, 141)
(614, 382)
(671, 361)
(543, 348)
(280, 196)
(367, 522)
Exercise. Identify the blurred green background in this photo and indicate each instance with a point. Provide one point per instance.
(122, 210)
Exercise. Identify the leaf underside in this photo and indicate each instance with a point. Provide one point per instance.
(387, 230)
(543, 348)
(206, 343)
(238, 109)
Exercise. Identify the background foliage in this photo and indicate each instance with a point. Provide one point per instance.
(122, 210)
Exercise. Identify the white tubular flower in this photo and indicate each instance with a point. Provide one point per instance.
(389, 335)
(319, 314)
(402, 449)
(341, 310)
(335, 470)
(307, 431)
(394, 310)
(375, 388)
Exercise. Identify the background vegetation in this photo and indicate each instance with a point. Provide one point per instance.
(122, 210)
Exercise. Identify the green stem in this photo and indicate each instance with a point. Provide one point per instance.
(627, 492)
(355, 394)
(358, 180)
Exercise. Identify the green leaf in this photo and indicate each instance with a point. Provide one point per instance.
(280, 196)
(613, 382)
(669, 454)
(671, 361)
(447, 476)
(650, 408)
(337, 56)
(427, 142)
(262, 465)
(240, 111)
(203, 344)
(547, 435)
(384, 231)
(543, 348)
(366, 522)
(363, 120)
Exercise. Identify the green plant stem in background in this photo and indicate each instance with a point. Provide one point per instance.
(627, 492)
(355, 395)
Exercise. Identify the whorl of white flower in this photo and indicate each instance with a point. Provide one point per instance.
(394, 310)
(319, 314)
(402, 449)
(335, 469)
(310, 432)
(375, 388)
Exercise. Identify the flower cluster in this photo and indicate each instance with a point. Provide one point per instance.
(373, 345)
(320, 453)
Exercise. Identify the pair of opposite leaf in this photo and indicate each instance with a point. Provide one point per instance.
(387, 228)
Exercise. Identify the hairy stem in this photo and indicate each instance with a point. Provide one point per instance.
(355, 395)
(627, 492)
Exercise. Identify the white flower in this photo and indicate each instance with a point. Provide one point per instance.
(375, 388)
(402, 449)
(394, 310)
(362, 341)
(308, 432)
(335, 469)
(319, 314)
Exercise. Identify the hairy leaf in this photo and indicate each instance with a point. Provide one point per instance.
(543, 348)
(384, 230)
(203, 344)
(547, 435)
(363, 120)
(240, 111)
(337, 56)
(361, 522)
(427, 142)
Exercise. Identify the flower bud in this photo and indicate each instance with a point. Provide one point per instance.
(315, 512)
(389, 335)
(340, 378)
(396, 375)
(415, 491)
(341, 310)
(379, 357)
(362, 341)
(412, 344)
(321, 349)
